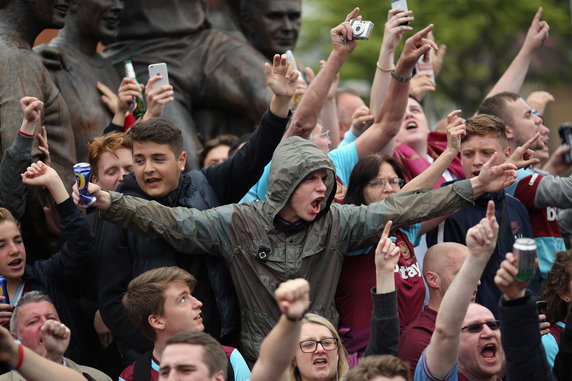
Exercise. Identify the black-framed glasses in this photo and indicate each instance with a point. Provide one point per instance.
(378, 182)
(478, 327)
(309, 346)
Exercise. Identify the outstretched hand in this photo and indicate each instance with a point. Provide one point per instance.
(456, 129)
(386, 253)
(523, 156)
(342, 36)
(102, 198)
(157, 97)
(421, 83)
(505, 279)
(539, 99)
(492, 177)
(293, 298)
(39, 174)
(32, 109)
(482, 238)
(415, 47)
(281, 77)
(537, 33)
(394, 28)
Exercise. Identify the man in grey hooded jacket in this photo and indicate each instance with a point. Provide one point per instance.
(297, 232)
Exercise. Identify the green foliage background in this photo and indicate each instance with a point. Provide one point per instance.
(482, 37)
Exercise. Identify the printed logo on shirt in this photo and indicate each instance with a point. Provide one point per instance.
(551, 214)
(404, 250)
(532, 179)
(407, 272)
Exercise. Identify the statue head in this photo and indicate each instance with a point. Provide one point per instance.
(97, 18)
(47, 13)
(271, 26)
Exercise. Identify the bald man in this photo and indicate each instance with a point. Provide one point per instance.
(441, 264)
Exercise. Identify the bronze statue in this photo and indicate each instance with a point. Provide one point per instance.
(76, 66)
(207, 68)
(23, 74)
(271, 26)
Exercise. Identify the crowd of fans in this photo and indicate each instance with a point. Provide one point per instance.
(336, 241)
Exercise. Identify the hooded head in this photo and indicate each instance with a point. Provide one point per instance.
(301, 183)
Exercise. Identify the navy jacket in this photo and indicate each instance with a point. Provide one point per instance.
(122, 255)
(62, 275)
(513, 221)
(520, 336)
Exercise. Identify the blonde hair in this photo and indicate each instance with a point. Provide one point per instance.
(343, 367)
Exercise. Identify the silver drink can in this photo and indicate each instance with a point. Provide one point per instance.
(524, 249)
(82, 173)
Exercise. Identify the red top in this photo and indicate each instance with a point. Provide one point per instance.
(416, 337)
(353, 299)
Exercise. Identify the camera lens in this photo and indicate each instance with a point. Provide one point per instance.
(357, 29)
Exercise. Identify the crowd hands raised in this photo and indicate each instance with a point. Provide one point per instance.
(283, 242)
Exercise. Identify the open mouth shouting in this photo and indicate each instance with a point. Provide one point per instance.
(153, 182)
(316, 204)
(412, 125)
(489, 352)
(16, 264)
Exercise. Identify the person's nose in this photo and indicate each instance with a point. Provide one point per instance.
(13, 248)
(321, 186)
(197, 303)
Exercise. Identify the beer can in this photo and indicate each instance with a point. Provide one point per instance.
(524, 250)
(82, 173)
(4, 287)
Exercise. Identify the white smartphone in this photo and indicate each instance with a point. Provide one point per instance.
(159, 69)
(399, 4)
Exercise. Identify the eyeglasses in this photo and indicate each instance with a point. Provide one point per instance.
(478, 327)
(396, 182)
(309, 346)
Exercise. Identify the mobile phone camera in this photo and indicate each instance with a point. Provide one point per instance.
(361, 29)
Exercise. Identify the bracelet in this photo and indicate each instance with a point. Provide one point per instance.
(384, 69)
(25, 134)
(396, 76)
(20, 356)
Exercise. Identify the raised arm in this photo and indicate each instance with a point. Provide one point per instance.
(384, 337)
(520, 335)
(279, 347)
(31, 365)
(394, 28)
(306, 115)
(456, 129)
(232, 178)
(387, 118)
(443, 350)
(514, 76)
(18, 157)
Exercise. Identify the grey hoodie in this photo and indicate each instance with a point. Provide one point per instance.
(260, 256)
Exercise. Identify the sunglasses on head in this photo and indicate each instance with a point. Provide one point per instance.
(478, 327)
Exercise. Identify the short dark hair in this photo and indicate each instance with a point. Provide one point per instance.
(556, 285)
(242, 139)
(486, 125)
(220, 140)
(496, 105)
(145, 295)
(213, 355)
(383, 365)
(364, 171)
(158, 130)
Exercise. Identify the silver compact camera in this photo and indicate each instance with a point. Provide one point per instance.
(361, 29)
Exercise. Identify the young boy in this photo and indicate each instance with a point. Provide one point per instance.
(160, 303)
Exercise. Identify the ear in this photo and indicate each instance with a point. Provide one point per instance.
(507, 152)
(156, 322)
(565, 298)
(219, 376)
(14, 336)
(181, 161)
(509, 132)
(94, 179)
(433, 279)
